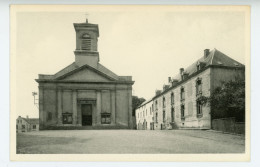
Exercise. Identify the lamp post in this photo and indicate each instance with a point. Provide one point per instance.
(34, 99)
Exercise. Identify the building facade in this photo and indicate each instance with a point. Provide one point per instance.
(179, 104)
(27, 124)
(85, 93)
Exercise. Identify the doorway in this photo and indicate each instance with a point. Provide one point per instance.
(86, 110)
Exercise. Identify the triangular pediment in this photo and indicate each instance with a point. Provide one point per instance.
(87, 74)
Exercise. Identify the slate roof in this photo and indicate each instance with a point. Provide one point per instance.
(214, 58)
(31, 120)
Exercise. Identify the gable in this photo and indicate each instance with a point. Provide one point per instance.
(85, 74)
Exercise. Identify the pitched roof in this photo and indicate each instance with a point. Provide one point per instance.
(74, 67)
(33, 120)
(215, 57)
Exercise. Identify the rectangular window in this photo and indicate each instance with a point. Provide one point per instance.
(172, 98)
(67, 118)
(198, 87)
(86, 43)
(163, 116)
(182, 111)
(164, 103)
(182, 94)
(199, 108)
(172, 114)
(16, 126)
(105, 118)
(156, 117)
(23, 126)
(34, 126)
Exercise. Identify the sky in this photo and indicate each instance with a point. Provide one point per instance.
(148, 43)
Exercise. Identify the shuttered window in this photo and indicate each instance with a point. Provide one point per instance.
(86, 44)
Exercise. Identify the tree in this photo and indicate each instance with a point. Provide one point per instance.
(136, 102)
(228, 100)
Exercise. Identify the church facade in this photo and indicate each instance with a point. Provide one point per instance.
(179, 104)
(85, 93)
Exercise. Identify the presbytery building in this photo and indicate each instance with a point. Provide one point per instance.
(179, 104)
(85, 93)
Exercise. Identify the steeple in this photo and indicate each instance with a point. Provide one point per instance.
(86, 44)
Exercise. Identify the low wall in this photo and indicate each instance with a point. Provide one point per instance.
(228, 125)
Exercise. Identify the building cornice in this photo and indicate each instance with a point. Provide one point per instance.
(83, 82)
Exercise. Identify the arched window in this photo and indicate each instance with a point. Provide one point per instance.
(86, 42)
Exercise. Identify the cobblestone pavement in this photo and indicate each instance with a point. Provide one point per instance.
(128, 141)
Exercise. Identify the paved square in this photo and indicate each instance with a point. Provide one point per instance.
(128, 141)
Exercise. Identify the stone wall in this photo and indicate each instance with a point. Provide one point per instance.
(228, 125)
(191, 119)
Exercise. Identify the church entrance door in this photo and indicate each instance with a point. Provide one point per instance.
(86, 110)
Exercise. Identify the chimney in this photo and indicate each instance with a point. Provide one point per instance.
(181, 70)
(206, 53)
(169, 79)
(27, 117)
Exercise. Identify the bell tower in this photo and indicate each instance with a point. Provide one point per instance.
(86, 44)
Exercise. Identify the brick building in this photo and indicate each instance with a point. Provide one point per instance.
(85, 93)
(178, 105)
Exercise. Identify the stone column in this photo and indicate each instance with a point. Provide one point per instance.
(59, 107)
(74, 107)
(113, 106)
(130, 118)
(41, 112)
(98, 103)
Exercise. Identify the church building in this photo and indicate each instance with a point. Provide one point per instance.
(85, 93)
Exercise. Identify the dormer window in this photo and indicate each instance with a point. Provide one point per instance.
(198, 66)
(86, 42)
